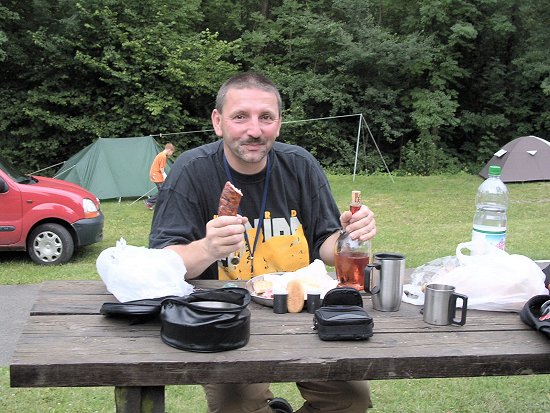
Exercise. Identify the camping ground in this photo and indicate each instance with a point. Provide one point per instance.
(422, 217)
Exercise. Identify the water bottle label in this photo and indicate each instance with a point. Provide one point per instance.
(496, 238)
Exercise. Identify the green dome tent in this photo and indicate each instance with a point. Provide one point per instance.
(113, 168)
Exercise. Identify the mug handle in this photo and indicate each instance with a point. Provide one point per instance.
(367, 280)
(452, 306)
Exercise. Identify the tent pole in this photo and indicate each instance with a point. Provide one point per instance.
(142, 196)
(62, 172)
(357, 146)
(365, 142)
(47, 167)
(378, 149)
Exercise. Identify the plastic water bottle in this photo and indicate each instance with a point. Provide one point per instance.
(491, 206)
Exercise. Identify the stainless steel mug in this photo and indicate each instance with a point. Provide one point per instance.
(384, 280)
(440, 305)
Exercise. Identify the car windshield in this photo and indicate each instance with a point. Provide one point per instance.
(13, 172)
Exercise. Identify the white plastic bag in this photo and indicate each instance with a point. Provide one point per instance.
(136, 273)
(413, 293)
(492, 279)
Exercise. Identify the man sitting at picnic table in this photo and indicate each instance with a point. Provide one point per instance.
(287, 218)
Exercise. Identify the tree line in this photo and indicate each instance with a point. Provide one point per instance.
(442, 84)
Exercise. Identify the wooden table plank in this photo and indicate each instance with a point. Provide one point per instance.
(83, 297)
(113, 353)
(407, 318)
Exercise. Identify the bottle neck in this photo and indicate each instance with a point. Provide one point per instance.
(354, 207)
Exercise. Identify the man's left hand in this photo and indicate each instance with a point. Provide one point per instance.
(361, 225)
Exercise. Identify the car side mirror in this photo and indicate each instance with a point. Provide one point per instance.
(3, 186)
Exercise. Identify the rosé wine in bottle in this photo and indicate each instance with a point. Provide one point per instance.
(352, 256)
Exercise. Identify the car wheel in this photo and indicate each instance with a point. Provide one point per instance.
(50, 244)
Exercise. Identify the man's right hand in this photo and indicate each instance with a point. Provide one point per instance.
(224, 235)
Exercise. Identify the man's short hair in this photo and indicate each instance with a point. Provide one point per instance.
(170, 146)
(247, 80)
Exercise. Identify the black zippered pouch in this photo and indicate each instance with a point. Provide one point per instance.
(204, 321)
(342, 316)
(207, 321)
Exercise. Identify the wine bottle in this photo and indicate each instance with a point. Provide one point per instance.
(352, 255)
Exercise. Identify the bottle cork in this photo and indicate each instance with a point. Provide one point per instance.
(355, 203)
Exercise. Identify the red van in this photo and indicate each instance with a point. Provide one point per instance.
(46, 217)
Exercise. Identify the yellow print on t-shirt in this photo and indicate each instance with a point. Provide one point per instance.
(283, 247)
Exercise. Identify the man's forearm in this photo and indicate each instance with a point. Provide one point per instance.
(327, 249)
(195, 257)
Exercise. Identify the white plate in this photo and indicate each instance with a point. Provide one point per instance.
(257, 298)
(326, 285)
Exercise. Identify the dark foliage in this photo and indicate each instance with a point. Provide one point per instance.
(442, 84)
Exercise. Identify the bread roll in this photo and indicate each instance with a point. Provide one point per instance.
(261, 286)
(295, 303)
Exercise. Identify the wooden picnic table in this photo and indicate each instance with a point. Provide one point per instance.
(67, 342)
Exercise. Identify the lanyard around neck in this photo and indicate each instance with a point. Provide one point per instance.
(262, 209)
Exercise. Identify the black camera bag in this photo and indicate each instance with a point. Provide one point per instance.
(342, 316)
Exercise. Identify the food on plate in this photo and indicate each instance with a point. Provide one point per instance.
(313, 278)
(230, 199)
(295, 300)
(261, 286)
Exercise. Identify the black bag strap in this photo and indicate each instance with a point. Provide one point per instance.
(342, 296)
(136, 311)
(532, 311)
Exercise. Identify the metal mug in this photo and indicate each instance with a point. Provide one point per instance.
(440, 305)
(384, 280)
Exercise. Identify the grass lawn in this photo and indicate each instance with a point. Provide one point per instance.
(421, 217)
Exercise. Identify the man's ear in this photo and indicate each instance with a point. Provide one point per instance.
(216, 122)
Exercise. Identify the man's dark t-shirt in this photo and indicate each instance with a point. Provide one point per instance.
(300, 211)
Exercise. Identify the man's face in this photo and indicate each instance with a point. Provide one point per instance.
(249, 125)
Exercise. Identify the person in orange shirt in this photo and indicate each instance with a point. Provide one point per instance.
(157, 174)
